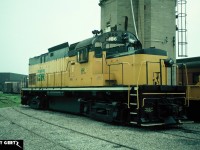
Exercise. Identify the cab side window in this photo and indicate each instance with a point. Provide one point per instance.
(82, 55)
(98, 50)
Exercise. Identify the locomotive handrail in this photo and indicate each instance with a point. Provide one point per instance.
(113, 65)
(54, 78)
(129, 91)
(47, 77)
(71, 62)
(186, 76)
(185, 101)
(188, 99)
(147, 71)
(177, 75)
(143, 100)
(61, 78)
(121, 63)
(138, 83)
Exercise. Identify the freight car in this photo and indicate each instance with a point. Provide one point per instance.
(189, 74)
(108, 77)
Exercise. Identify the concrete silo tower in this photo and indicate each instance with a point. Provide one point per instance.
(153, 21)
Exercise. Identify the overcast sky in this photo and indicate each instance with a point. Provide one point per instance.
(29, 27)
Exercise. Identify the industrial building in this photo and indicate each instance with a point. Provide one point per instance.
(6, 77)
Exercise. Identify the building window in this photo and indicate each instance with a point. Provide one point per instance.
(82, 55)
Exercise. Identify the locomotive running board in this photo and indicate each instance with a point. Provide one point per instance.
(148, 124)
(152, 124)
(79, 89)
(160, 124)
(186, 122)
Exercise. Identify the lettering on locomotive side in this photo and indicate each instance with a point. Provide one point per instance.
(41, 75)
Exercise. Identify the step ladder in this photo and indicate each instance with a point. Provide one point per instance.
(133, 108)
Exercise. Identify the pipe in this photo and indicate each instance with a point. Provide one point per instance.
(133, 18)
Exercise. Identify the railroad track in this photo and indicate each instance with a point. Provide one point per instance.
(182, 136)
(160, 130)
(116, 145)
(189, 131)
(186, 130)
(48, 120)
(178, 131)
(6, 100)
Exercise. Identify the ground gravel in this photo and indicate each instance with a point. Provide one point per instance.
(48, 130)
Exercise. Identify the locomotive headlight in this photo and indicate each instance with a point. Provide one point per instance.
(169, 62)
(131, 40)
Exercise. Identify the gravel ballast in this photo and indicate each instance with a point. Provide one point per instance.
(48, 130)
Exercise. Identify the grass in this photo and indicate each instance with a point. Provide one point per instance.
(9, 100)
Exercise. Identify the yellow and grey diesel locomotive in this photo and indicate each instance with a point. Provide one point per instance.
(108, 77)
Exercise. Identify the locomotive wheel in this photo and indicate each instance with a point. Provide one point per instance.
(36, 103)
